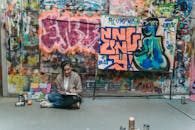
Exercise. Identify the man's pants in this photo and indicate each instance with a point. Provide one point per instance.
(63, 101)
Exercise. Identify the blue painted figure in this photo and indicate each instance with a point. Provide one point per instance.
(151, 56)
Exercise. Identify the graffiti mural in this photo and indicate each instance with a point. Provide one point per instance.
(30, 57)
(123, 38)
(21, 25)
(92, 5)
(192, 76)
(56, 3)
(88, 7)
(151, 56)
(128, 8)
(118, 44)
(135, 47)
(183, 9)
(63, 33)
(17, 83)
(165, 10)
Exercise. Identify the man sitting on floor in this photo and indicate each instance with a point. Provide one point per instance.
(69, 87)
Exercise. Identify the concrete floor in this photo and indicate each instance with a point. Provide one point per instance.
(100, 114)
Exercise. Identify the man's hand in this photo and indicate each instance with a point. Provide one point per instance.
(61, 92)
(72, 91)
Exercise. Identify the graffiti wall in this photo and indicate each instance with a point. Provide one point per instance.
(128, 46)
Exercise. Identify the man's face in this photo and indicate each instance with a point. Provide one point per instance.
(67, 70)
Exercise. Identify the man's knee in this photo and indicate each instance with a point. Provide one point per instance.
(50, 97)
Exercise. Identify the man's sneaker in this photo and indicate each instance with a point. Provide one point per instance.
(45, 104)
(76, 105)
(20, 104)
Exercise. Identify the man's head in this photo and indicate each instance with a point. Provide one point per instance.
(66, 68)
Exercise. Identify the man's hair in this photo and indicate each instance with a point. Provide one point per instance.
(64, 63)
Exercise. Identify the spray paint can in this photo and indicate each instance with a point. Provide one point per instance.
(146, 127)
(21, 98)
(131, 123)
(122, 128)
(25, 97)
(21, 101)
(183, 100)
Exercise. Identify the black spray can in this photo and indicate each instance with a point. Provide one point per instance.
(21, 101)
(146, 127)
(183, 100)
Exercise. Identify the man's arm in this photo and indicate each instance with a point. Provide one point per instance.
(58, 82)
(78, 85)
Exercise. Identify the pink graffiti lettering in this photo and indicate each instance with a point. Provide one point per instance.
(69, 33)
(50, 37)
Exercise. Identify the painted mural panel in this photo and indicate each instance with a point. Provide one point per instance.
(93, 5)
(87, 5)
(21, 25)
(165, 10)
(192, 76)
(150, 8)
(30, 57)
(131, 45)
(192, 65)
(168, 29)
(56, 3)
(129, 7)
(123, 7)
(67, 32)
(184, 7)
